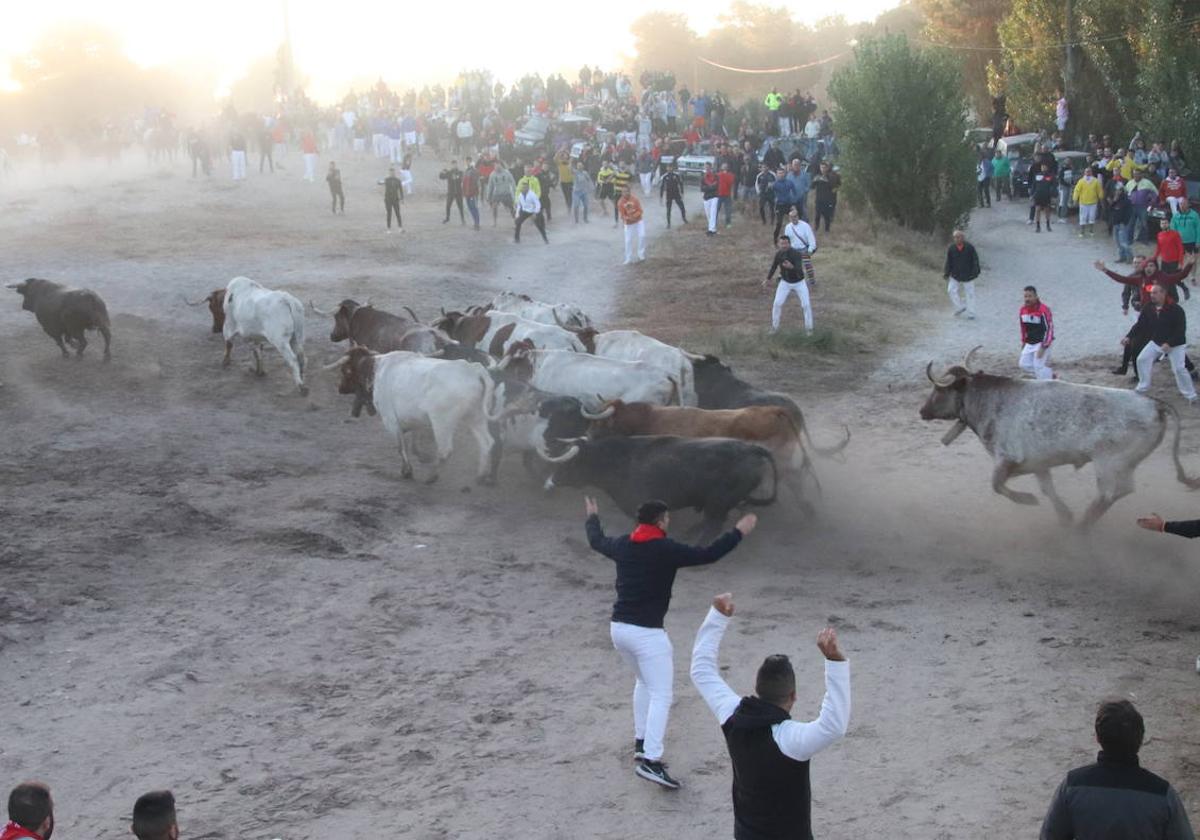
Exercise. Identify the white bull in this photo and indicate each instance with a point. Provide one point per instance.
(591, 379)
(633, 346)
(1029, 427)
(413, 392)
(263, 315)
(536, 310)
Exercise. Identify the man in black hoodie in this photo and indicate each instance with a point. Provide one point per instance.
(453, 176)
(646, 565)
(1166, 324)
(770, 752)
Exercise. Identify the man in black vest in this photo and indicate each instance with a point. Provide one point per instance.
(770, 751)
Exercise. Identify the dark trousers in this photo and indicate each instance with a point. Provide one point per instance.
(781, 215)
(473, 209)
(724, 201)
(546, 209)
(765, 204)
(675, 199)
(393, 206)
(537, 222)
(337, 195)
(451, 200)
(824, 211)
(265, 157)
(567, 189)
(984, 189)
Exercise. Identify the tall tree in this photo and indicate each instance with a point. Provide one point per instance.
(901, 115)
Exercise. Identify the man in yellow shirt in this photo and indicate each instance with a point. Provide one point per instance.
(773, 102)
(531, 181)
(1088, 194)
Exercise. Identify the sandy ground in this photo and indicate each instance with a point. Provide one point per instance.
(213, 584)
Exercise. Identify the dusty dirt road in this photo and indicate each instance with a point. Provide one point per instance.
(213, 584)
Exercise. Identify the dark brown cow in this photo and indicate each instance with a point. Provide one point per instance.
(366, 326)
(66, 313)
(215, 301)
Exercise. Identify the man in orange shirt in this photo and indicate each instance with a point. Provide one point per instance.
(630, 211)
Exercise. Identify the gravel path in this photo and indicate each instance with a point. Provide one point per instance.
(1086, 305)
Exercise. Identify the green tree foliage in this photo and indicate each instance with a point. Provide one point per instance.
(901, 115)
(1169, 71)
(971, 24)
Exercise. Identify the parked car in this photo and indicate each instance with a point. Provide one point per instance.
(978, 136)
(1078, 164)
(1019, 151)
(692, 164)
(533, 133)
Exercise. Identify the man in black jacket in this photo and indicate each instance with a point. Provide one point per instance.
(1115, 797)
(770, 752)
(453, 176)
(961, 269)
(670, 186)
(1166, 324)
(646, 565)
(393, 194)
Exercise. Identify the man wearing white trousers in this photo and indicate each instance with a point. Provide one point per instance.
(630, 211)
(646, 565)
(1166, 324)
(237, 155)
(790, 264)
(961, 269)
(1037, 334)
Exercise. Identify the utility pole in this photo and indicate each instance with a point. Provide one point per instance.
(288, 73)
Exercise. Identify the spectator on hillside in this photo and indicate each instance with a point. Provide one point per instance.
(470, 191)
(1066, 184)
(1088, 193)
(709, 186)
(1120, 216)
(802, 182)
(1186, 222)
(670, 188)
(826, 185)
(582, 189)
(784, 189)
(1170, 191)
(775, 120)
(726, 181)
(453, 176)
(500, 190)
(960, 271)
(154, 816)
(1062, 111)
(1143, 194)
(764, 186)
(1115, 797)
(30, 813)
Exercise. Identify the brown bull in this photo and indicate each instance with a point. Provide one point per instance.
(769, 425)
(216, 308)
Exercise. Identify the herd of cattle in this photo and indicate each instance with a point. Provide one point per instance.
(616, 409)
(627, 413)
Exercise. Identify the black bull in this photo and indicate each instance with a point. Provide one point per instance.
(66, 313)
(710, 475)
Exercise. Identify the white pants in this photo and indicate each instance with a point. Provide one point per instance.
(710, 212)
(1145, 367)
(410, 139)
(1173, 203)
(637, 230)
(781, 295)
(648, 652)
(310, 166)
(379, 144)
(1031, 364)
(1088, 213)
(968, 290)
(395, 152)
(360, 144)
(785, 126)
(646, 178)
(237, 160)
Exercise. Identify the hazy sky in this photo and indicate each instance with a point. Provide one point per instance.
(339, 43)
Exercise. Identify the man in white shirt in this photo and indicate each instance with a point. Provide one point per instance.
(528, 205)
(800, 234)
(770, 751)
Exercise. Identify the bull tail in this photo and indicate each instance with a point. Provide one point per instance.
(770, 500)
(491, 410)
(413, 314)
(826, 451)
(1180, 474)
(676, 396)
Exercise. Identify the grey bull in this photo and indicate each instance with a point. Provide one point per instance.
(1030, 427)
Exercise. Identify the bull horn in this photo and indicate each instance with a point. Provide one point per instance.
(16, 285)
(944, 382)
(367, 302)
(603, 415)
(185, 300)
(504, 363)
(561, 325)
(318, 310)
(566, 456)
(970, 356)
(443, 309)
(341, 361)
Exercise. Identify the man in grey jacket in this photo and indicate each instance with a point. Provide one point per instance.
(1115, 797)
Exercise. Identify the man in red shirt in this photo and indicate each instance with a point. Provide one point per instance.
(30, 813)
(725, 182)
(1169, 252)
(630, 211)
(308, 145)
(1037, 334)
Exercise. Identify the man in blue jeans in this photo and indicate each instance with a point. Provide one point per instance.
(647, 561)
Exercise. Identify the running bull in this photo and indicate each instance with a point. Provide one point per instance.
(1030, 427)
(65, 313)
(711, 475)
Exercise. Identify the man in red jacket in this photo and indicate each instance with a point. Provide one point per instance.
(725, 183)
(1037, 334)
(30, 813)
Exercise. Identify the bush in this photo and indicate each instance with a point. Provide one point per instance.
(900, 115)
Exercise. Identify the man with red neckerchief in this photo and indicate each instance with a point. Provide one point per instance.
(30, 813)
(647, 561)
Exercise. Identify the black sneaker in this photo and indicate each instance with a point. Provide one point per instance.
(656, 771)
(639, 748)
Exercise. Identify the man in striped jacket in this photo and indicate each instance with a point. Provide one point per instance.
(1037, 334)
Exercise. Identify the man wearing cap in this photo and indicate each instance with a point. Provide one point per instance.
(647, 561)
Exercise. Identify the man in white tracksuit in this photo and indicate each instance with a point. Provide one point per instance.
(790, 264)
(646, 563)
